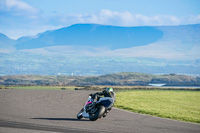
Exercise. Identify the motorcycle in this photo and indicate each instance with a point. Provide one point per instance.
(94, 110)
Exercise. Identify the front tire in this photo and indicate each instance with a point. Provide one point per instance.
(98, 114)
(79, 115)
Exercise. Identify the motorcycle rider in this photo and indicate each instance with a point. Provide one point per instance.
(108, 92)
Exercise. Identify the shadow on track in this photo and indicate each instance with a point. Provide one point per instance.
(62, 119)
(41, 127)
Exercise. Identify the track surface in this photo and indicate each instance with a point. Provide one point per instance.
(47, 111)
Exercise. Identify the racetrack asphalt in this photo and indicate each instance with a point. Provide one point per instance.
(53, 111)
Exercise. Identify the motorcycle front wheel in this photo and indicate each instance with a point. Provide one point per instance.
(97, 114)
(79, 115)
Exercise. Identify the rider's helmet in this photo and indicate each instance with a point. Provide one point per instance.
(109, 89)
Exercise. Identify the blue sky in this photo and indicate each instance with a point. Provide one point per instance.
(30, 17)
(145, 7)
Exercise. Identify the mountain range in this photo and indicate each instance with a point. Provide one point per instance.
(93, 35)
(151, 49)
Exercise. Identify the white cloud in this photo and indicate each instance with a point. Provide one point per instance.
(18, 8)
(191, 19)
(19, 5)
(126, 18)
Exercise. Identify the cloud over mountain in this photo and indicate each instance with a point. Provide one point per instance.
(168, 42)
(97, 49)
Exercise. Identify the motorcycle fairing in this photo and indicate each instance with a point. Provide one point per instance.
(85, 115)
(106, 101)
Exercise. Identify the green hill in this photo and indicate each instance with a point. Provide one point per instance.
(116, 79)
(37, 80)
(139, 79)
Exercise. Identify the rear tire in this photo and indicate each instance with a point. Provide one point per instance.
(98, 114)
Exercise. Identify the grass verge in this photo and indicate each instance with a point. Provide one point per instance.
(178, 105)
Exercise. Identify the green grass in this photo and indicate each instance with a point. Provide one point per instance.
(178, 105)
(44, 87)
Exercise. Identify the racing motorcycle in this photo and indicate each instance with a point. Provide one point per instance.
(94, 110)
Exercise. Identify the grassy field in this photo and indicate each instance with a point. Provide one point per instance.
(178, 105)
